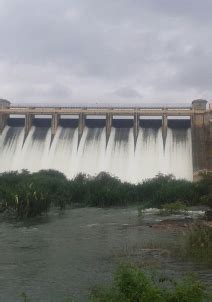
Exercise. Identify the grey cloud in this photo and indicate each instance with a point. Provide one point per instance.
(163, 47)
(127, 92)
(193, 9)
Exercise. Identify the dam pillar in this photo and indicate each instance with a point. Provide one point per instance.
(54, 125)
(164, 128)
(109, 119)
(28, 124)
(3, 121)
(209, 144)
(199, 137)
(136, 128)
(4, 104)
(81, 126)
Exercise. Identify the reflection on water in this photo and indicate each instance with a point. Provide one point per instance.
(68, 253)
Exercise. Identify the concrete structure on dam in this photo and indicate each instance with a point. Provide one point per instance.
(197, 116)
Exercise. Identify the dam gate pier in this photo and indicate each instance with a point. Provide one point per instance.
(196, 115)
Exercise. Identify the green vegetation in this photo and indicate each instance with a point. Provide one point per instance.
(176, 207)
(131, 285)
(141, 210)
(206, 199)
(195, 245)
(198, 243)
(27, 195)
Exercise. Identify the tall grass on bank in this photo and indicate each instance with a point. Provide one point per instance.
(133, 285)
(32, 194)
(198, 243)
(195, 245)
(176, 207)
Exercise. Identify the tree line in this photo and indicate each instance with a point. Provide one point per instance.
(25, 194)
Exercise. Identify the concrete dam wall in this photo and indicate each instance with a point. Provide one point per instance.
(131, 142)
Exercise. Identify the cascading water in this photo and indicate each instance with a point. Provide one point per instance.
(119, 158)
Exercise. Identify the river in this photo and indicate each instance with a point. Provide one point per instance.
(65, 254)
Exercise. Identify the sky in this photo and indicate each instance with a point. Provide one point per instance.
(143, 51)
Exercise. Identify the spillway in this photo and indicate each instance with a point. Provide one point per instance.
(119, 157)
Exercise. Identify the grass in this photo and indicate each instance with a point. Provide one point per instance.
(131, 284)
(177, 207)
(173, 208)
(198, 244)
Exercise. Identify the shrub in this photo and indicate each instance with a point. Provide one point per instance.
(176, 207)
(133, 285)
(27, 201)
(198, 245)
(53, 188)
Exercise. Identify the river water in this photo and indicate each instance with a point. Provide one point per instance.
(66, 253)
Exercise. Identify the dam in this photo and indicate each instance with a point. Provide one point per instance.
(130, 141)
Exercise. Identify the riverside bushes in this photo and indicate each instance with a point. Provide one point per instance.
(176, 207)
(30, 194)
(24, 199)
(198, 244)
(131, 284)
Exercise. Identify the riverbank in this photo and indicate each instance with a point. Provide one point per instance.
(132, 284)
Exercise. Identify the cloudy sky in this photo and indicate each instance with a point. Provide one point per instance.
(105, 50)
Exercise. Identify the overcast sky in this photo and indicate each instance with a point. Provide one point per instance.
(105, 50)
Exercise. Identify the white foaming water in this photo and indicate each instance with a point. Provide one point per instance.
(120, 158)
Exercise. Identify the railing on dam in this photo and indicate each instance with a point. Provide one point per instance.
(109, 111)
(103, 105)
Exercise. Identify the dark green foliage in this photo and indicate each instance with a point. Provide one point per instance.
(32, 194)
(176, 207)
(133, 285)
(206, 184)
(198, 244)
(205, 189)
(165, 189)
(24, 199)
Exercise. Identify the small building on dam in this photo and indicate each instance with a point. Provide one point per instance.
(132, 142)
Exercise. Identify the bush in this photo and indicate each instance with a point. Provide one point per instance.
(53, 188)
(176, 207)
(133, 285)
(198, 244)
(27, 201)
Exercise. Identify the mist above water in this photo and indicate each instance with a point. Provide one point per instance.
(119, 158)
